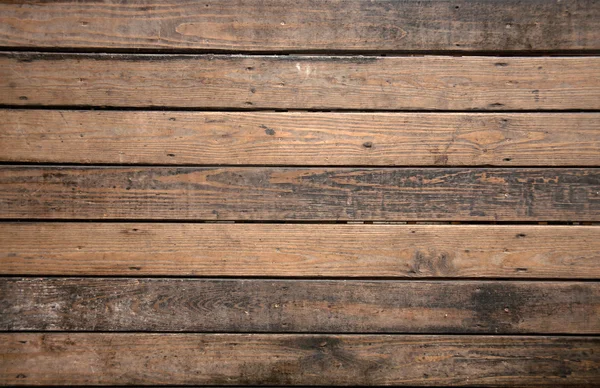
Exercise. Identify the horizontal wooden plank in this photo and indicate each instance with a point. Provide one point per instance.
(293, 359)
(303, 25)
(263, 138)
(300, 82)
(282, 250)
(324, 306)
(270, 193)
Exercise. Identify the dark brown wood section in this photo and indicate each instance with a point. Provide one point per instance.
(304, 25)
(293, 250)
(300, 82)
(302, 138)
(273, 193)
(327, 306)
(331, 193)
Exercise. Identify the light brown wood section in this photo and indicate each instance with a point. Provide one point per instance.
(255, 359)
(282, 250)
(300, 82)
(263, 138)
(300, 306)
(304, 25)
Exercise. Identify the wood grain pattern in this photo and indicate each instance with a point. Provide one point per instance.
(269, 193)
(257, 359)
(263, 138)
(323, 306)
(304, 25)
(189, 112)
(300, 82)
(281, 250)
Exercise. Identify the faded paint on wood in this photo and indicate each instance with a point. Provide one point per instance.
(295, 250)
(269, 193)
(255, 359)
(300, 82)
(262, 138)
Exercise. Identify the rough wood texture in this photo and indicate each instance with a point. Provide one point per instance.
(305, 25)
(256, 359)
(270, 193)
(373, 116)
(262, 138)
(324, 306)
(420, 251)
(300, 82)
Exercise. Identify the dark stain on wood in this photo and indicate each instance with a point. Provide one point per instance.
(268, 131)
(110, 304)
(260, 193)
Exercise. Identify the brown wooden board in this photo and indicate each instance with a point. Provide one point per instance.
(300, 82)
(304, 25)
(323, 306)
(296, 250)
(257, 359)
(271, 193)
(264, 138)
(128, 128)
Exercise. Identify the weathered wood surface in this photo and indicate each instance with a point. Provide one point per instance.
(257, 359)
(305, 25)
(263, 138)
(510, 132)
(323, 306)
(271, 193)
(300, 82)
(295, 250)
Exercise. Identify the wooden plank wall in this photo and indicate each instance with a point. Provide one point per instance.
(327, 192)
